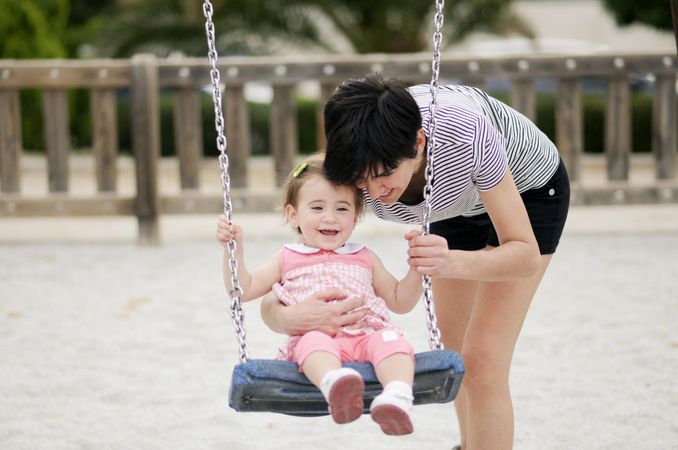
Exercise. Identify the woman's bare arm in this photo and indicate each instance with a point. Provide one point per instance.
(314, 313)
(516, 257)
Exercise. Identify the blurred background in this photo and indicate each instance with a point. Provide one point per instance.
(108, 344)
(174, 29)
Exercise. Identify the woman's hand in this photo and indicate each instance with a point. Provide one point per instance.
(318, 312)
(227, 231)
(429, 255)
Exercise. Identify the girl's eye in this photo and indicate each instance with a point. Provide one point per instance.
(342, 209)
(317, 208)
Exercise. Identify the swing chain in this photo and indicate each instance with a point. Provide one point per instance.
(237, 314)
(434, 333)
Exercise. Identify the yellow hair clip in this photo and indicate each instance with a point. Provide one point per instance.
(299, 170)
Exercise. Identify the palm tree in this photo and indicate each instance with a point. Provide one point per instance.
(255, 26)
(165, 26)
(406, 26)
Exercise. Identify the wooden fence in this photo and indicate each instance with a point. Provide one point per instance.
(144, 76)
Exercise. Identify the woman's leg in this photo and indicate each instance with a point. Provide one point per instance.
(493, 328)
(454, 300)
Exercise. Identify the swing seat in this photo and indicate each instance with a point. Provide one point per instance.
(263, 385)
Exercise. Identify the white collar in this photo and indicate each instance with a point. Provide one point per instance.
(347, 248)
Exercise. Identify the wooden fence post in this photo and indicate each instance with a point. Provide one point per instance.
(523, 97)
(238, 131)
(57, 137)
(569, 121)
(146, 144)
(283, 131)
(104, 108)
(664, 134)
(10, 141)
(188, 135)
(618, 128)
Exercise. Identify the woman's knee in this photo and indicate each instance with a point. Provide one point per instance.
(485, 370)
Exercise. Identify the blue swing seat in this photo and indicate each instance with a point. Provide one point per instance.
(264, 385)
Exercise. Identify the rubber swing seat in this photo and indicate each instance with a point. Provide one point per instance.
(264, 385)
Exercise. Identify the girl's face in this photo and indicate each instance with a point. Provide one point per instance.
(326, 214)
(388, 187)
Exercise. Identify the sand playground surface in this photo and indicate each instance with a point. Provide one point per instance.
(107, 345)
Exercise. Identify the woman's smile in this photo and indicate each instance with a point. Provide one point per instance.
(387, 194)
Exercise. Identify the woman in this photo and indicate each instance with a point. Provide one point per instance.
(499, 204)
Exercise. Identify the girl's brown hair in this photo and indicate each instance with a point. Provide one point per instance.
(313, 165)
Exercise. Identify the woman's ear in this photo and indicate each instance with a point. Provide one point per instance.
(420, 144)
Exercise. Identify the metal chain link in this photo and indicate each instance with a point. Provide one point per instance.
(434, 341)
(235, 308)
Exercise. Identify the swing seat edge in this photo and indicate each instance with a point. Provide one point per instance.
(264, 385)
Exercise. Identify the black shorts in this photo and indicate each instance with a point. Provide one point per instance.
(546, 207)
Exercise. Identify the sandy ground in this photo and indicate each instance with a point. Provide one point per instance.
(106, 345)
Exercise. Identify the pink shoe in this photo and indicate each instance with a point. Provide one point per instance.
(345, 396)
(391, 411)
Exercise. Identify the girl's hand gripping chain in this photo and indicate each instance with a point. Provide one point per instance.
(227, 231)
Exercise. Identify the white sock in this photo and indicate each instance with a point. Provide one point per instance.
(332, 376)
(400, 386)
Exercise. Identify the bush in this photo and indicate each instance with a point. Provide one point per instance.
(259, 114)
(594, 120)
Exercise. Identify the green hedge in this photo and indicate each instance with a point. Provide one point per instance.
(80, 124)
(594, 120)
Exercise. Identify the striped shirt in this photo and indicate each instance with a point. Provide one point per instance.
(477, 138)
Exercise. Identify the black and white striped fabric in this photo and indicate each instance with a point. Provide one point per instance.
(477, 138)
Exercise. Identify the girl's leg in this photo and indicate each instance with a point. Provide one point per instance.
(492, 331)
(454, 300)
(317, 364)
(393, 361)
(319, 357)
(397, 367)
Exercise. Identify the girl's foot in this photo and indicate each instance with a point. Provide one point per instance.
(343, 389)
(391, 410)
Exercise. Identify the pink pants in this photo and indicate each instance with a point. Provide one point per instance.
(372, 347)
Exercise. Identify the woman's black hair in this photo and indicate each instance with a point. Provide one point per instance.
(371, 124)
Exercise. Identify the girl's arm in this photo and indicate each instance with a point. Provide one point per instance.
(399, 296)
(256, 283)
(516, 257)
(261, 279)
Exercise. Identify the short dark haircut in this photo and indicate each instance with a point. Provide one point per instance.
(371, 124)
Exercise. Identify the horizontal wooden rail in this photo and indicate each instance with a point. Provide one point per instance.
(194, 72)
